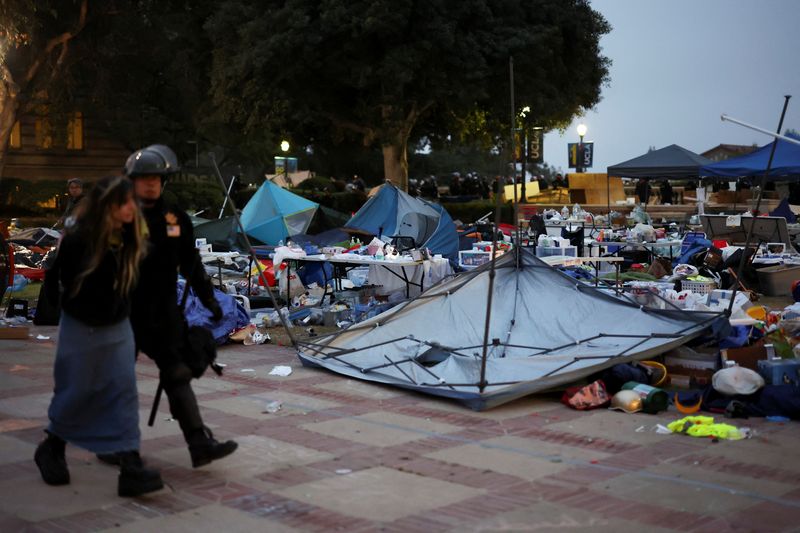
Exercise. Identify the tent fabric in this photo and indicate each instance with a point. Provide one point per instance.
(222, 234)
(393, 212)
(273, 214)
(546, 330)
(785, 163)
(784, 210)
(670, 162)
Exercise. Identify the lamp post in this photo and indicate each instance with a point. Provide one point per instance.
(524, 152)
(285, 150)
(581, 133)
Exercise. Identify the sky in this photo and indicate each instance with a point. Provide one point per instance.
(680, 64)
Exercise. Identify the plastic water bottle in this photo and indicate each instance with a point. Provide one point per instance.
(564, 213)
(379, 254)
(576, 211)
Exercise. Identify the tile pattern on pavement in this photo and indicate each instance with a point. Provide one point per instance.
(347, 455)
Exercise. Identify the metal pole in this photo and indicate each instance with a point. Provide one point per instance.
(252, 252)
(765, 132)
(763, 182)
(227, 195)
(482, 384)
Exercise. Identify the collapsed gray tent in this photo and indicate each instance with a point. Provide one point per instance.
(546, 330)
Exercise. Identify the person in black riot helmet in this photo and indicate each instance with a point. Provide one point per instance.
(156, 316)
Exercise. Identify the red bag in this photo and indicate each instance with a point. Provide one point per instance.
(591, 396)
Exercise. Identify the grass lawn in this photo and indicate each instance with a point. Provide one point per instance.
(29, 292)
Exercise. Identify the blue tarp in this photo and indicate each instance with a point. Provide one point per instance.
(392, 212)
(785, 164)
(273, 214)
(233, 314)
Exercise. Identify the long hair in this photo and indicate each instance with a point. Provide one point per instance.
(94, 223)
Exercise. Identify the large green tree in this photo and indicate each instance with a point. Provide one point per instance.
(381, 68)
(35, 39)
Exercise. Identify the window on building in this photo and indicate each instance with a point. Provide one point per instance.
(75, 131)
(15, 140)
(44, 132)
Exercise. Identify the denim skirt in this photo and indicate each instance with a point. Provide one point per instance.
(95, 403)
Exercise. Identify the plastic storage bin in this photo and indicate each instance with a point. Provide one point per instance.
(547, 251)
(698, 287)
(777, 280)
(473, 258)
(780, 371)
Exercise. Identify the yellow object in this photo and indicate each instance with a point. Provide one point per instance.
(759, 312)
(660, 369)
(704, 426)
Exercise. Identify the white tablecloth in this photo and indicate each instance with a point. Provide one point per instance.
(426, 274)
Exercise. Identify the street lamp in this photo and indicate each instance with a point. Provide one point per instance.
(581, 133)
(285, 149)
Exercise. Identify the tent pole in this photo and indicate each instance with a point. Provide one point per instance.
(252, 252)
(761, 130)
(482, 383)
(228, 195)
(761, 186)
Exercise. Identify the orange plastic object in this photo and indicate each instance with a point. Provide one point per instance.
(759, 312)
(687, 410)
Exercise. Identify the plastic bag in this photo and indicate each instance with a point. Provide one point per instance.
(736, 380)
(296, 287)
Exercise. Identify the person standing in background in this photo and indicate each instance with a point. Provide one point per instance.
(75, 195)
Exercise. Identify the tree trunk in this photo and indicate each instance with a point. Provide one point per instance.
(395, 161)
(9, 102)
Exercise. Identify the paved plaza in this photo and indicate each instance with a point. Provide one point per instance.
(346, 455)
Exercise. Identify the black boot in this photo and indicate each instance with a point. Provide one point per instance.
(134, 478)
(204, 448)
(49, 457)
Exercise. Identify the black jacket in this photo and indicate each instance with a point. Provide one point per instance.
(156, 318)
(97, 303)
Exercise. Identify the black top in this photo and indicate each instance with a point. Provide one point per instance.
(157, 321)
(97, 303)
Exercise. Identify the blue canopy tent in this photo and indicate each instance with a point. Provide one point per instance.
(785, 164)
(392, 212)
(273, 214)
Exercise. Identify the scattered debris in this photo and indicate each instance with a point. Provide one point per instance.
(281, 370)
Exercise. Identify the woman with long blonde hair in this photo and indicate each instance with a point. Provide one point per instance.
(95, 400)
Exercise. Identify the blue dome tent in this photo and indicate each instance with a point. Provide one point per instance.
(392, 212)
(273, 214)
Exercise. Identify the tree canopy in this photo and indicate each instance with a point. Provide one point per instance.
(379, 69)
(242, 75)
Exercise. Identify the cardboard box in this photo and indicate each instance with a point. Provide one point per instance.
(14, 332)
(689, 378)
(746, 356)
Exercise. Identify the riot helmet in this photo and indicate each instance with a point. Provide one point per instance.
(153, 160)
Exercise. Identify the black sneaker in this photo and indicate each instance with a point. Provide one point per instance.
(204, 448)
(52, 463)
(134, 478)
